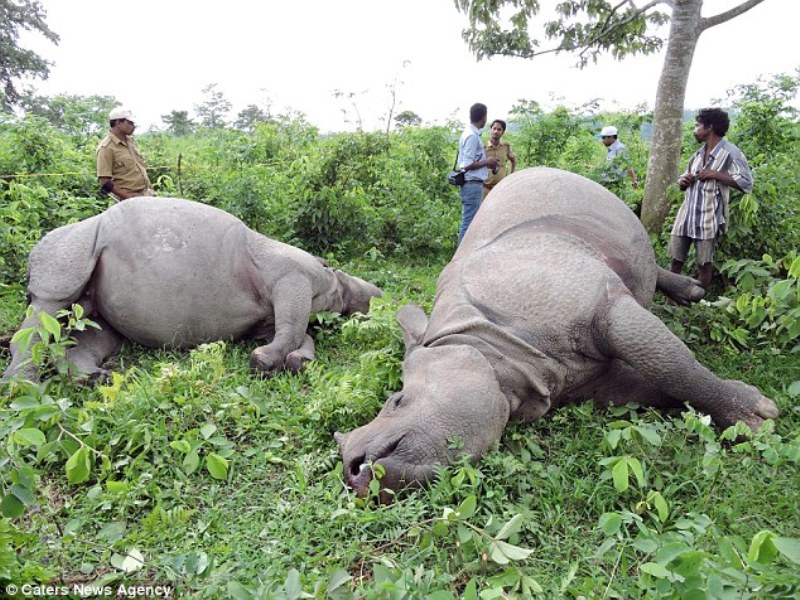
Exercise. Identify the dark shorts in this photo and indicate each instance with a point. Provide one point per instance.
(679, 249)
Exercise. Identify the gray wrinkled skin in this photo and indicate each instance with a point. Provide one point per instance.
(545, 302)
(174, 273)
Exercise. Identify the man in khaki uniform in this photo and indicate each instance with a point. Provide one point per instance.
(502, 152)
(120, 166)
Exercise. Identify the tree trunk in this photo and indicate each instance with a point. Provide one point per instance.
(662, 169)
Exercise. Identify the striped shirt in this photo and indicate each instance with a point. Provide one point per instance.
(704, 211)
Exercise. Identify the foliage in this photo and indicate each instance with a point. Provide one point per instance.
(587, 27)
(81, 117)
(15, 61)
(213, 109)
(178, 122)
(408, 118)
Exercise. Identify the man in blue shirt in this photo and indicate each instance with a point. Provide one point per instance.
(472, 159)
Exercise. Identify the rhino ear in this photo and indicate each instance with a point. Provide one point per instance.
(413, 322)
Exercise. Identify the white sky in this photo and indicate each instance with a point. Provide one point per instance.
(155, 56)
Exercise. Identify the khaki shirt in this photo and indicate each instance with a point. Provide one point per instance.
(122, 162)
(502, 152)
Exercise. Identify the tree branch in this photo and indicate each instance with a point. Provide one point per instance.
(728, 14)
(607, 28)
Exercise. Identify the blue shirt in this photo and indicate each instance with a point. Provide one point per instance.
(470, 150)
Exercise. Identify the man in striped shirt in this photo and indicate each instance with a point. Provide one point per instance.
(712, 171)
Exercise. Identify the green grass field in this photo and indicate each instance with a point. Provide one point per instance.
(199, 475)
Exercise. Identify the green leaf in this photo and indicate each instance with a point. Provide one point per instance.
(510, 528)
(636, 467)
(217, 466)
(440, 595)
(78, 466)
(471, 591)
(51, 325)
(22, 494)
(762, 549)
(181, 446)
(208, 430)
(130, 563)
(610, 523)
(11, 507)
(467, 507)
(649, 435)
(191, 462)
(116, 487)
(238, 592)
(29, 436)
(655, 569)
(620, 475)
(292, 586)
(794, 389)
(23, 338)
(502, 553)
(788, 547)
(337, 579)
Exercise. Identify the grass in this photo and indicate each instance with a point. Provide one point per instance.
(281, 523)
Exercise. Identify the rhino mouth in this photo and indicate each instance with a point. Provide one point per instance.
(360, 469)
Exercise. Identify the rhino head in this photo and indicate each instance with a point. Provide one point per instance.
(355, 293)
(450, 404)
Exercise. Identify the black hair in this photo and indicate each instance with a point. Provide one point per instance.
(477, 112)
(502, 123)
(716, 118)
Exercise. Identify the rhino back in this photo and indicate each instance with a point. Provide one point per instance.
(176, 273)
(547, 253)
(543, 200)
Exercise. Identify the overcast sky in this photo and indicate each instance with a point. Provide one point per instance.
(155, 56)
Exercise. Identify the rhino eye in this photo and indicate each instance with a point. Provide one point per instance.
(397, 400)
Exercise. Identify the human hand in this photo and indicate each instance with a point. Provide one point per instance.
(686, 180)
(492, 163)
(707, 174)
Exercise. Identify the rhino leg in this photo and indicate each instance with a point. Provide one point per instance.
(291, 301)
(60, 267)
(640, 340)
(621, 384)
(679, 288)
(92, 348)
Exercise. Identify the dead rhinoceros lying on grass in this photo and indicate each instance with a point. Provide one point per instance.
(166, 272)
(545, 302)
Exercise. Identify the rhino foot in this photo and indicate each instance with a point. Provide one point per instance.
(296, 361)
(265, 363)
(744, 403)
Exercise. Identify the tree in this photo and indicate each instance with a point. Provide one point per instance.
(78, 116)
(590, 28)
(178, 122)
(213, 110)
(250, 116)
(15, 61)
(407, 118)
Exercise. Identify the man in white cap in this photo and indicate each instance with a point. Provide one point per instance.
(120, 166)
(616, 159)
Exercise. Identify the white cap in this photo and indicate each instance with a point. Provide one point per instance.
(608, 130)
(120, 113)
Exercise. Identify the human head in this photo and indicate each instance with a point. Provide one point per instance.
(608, 135)
(121, 116)
(713, 119)
(498, 128)
(477, 115)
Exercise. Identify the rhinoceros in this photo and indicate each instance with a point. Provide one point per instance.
(175, 273)
(545, 302)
